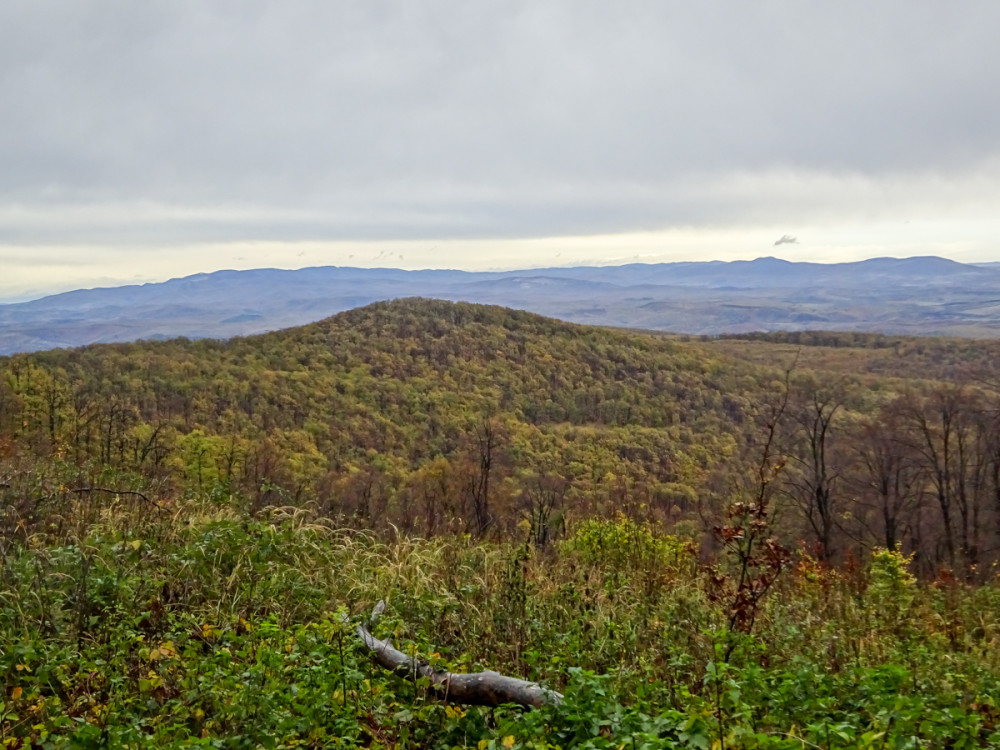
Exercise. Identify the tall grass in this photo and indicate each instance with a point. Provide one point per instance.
(126, 622)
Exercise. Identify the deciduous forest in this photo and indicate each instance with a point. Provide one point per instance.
(762, 541)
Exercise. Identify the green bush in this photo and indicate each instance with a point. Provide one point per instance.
(622, 542)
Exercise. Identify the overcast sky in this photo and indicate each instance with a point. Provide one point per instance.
(144, 140)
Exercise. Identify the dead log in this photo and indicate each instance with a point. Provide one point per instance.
(486, 688)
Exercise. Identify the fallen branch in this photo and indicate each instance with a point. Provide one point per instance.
(486, 688)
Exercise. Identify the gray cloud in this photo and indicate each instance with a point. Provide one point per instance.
(786, 239)
(197, 121)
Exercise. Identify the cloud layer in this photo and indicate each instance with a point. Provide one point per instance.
(190, 121)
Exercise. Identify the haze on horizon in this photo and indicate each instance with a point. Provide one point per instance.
(144, 141)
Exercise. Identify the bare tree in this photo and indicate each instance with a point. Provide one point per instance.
(812, 486)
(486, 437)
(540, 502)
(943, 432)
(889, 477)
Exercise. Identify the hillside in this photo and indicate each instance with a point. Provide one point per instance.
(696, 541)
(443, 417)
(384, 400)
(916, 296)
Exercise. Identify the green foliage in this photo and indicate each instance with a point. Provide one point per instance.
(185, 527)
(622, 543)
(204, 626)
(371, 418)
(348, 413)
(892, 587)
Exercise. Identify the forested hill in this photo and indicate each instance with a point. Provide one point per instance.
(444, 417)
(393, 393)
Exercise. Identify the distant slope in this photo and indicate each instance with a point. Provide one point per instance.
(382, 392)
(925, 295)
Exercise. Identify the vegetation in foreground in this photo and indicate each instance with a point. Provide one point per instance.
(696, 544)
(132, 624)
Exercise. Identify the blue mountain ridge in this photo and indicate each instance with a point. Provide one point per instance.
(920, 295)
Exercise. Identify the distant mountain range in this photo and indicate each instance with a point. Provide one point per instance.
(920, 296)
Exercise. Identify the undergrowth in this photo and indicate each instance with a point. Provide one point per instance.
(126, 622)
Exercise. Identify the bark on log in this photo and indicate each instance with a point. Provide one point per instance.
(486, 688)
